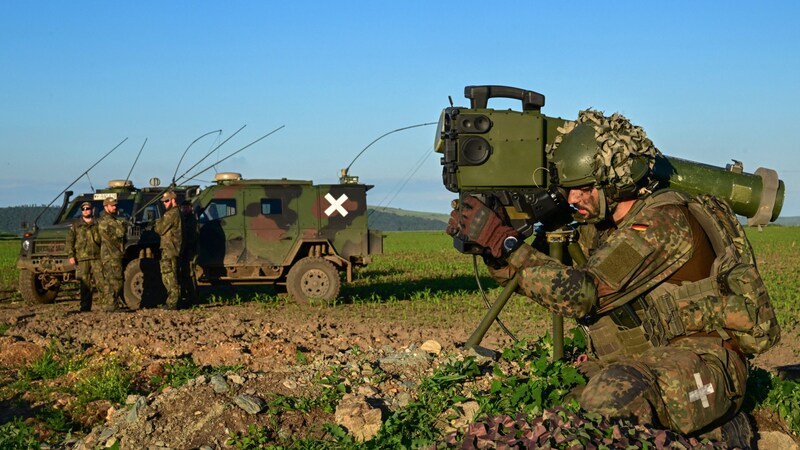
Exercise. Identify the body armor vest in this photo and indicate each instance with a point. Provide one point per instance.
(732, 302)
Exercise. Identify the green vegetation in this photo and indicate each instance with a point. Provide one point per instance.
(56, 361)
(16, 435)
(419, 281)
(178, 373)
(9, 275)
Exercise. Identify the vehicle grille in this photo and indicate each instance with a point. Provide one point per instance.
(52, 247)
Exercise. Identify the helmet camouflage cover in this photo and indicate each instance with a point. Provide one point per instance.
(618, 155)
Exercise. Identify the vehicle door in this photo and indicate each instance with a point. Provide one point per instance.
(222, 237)
(271, 217)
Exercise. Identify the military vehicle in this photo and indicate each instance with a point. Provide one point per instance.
(290, 233)
(43, 264)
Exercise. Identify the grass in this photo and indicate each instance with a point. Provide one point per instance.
(9, 275)
(420, 280)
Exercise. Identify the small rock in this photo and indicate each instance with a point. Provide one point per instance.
(219, 384)
(290, 384)
(110, 443)
(367, 391)
(106, 433)
(237, 379)
(251, 404)
(361, 420)
(133, 414)
(483, 353)
(403, 399)
(776, 439)
(431, 346)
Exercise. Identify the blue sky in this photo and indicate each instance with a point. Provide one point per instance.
(708, 81)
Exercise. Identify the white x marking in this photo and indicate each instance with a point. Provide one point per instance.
(702, 391)
(336, 204)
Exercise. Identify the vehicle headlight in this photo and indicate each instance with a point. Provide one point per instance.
(26, 245)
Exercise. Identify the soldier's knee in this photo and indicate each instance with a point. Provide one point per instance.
(622, 390)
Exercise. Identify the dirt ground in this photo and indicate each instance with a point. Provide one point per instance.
(264, 340)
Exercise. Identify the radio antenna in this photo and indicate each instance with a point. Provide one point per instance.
(237, 151)
(85, 172)
(175, 180)
(128, 177)
(187, 149)
(347, 169)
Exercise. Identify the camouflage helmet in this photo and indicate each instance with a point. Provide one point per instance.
(609, 152)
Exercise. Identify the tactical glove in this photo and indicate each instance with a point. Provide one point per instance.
(476, 222)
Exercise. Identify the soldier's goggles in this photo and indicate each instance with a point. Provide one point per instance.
(86, 208)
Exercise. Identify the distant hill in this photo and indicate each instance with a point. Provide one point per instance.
(386, 219)
(11, 217)
(394, 219)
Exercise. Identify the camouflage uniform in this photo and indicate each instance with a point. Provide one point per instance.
(112, 244)
(669, 340)
(685, 385)
(188, 259)
(170, 230)
(83, 244)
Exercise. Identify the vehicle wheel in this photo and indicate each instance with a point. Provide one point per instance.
(32, 289)
(313, 280)
(142, 286)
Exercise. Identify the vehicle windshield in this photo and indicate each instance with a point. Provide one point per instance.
(124, 210)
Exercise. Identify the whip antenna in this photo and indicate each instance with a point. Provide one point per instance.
(76, 180)
(128, 177)
(187, 149)
(347, 169)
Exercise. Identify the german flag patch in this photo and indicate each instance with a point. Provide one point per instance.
(640, 227)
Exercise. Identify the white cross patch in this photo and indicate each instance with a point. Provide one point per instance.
(702, 391)
(336, 204)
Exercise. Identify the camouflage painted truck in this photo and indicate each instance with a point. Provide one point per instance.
(43, 263)
(290, 233)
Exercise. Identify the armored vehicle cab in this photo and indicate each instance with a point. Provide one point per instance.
(286, 232)
(43, 263)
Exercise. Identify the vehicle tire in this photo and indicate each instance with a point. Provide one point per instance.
(313, 281)
(32, 290)
(142, 285)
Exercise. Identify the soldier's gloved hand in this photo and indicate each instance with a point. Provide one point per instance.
(482, 225)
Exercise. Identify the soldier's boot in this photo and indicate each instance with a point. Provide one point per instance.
(86, 299)
(735, 433)
(738, 432)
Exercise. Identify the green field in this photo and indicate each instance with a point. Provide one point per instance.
(421, 274)
(419, 281)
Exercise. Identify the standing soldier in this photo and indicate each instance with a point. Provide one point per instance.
(112, 244)
(170, 230)
(188, 258)
(83, 245)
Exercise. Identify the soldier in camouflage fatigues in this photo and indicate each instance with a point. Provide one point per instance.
(188, 257)
(83, 247)
(642, 249)
(170, 229)
(112, 232)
